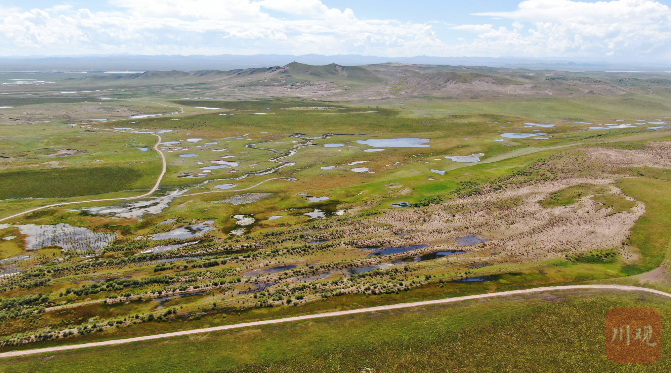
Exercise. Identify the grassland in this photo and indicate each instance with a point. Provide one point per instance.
(650, 232)
(568, 205)
(567, 334)
(62, 183)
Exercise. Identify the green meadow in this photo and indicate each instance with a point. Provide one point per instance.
(297, 218)
(567, 334)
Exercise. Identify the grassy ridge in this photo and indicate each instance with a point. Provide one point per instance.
(68, 182)
(606, 200)
(356, 74)
(651, 232)
(496, 335)
(23, 101)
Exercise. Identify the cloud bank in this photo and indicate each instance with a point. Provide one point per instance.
(620, 29)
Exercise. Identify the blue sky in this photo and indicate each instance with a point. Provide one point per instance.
(574, 29)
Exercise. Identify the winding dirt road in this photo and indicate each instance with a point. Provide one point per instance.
(158, 182)
(332, 314)
(154, 189)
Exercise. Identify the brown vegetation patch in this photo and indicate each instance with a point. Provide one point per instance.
(655, 154)
(524, 231)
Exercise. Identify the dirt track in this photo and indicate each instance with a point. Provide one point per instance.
(158, 182)
(331, 314)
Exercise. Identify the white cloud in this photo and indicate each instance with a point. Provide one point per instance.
(313, 8)
(622, 28)
(59, 8)
(5, 12)
(543, 28)
(210, 27)
(193, 9)
(478, 29)
(37, 28)
(577, 11)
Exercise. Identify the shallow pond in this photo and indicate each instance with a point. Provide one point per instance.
(317, 199)
(539, 125)
(373, 150)
(316, 214)
(189, 231)
(64, 236)
(162, 249)
(136, 210)
(473, 158)
(225, 186)
(226, 163)
(333, 145)
(440, 172)
(400, 204)
(613, 127)
(405, 142)
(191, 177)
(389, 250)
(19, 258)
(243, 199)
(360, 169)
(137, 116)
(191, 294)
(328, 168)
(438, 254)
(360, 270)
(270, 270)
(188, 155)
(9, 272)
(470, 240)
(244, 220)
(522, 135)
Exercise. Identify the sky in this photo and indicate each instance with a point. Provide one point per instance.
(618, 30)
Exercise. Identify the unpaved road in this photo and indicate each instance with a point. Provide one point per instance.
(158, 182)
(331, 314)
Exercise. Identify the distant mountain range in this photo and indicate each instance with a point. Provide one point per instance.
(229, 62)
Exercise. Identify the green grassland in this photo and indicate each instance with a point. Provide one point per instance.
(567, 334)
(605, 108)
(50, 163)
(60, 183)
(57, 163)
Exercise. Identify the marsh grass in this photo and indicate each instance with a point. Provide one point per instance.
(496, 335)
(67, 182)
